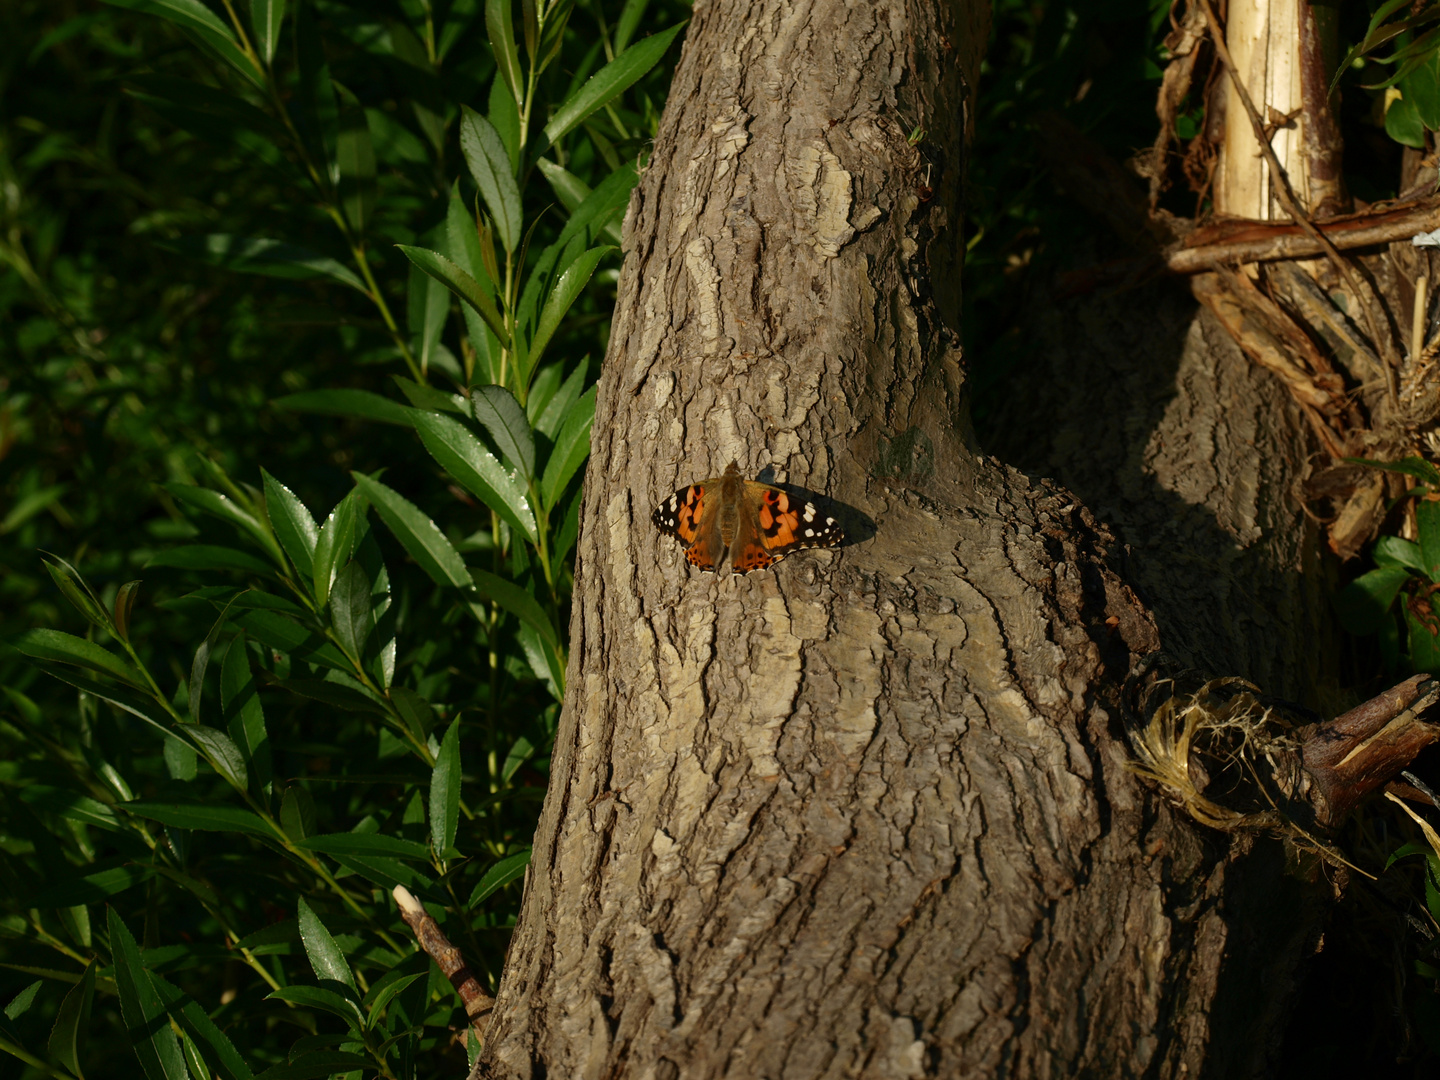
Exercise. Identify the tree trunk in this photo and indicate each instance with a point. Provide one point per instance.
(866, 814)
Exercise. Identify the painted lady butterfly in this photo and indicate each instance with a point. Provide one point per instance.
(756, 523)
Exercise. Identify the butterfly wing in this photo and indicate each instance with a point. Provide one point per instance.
(774, 524)
(683, 516)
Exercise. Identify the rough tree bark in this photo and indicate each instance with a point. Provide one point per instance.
(866, 814)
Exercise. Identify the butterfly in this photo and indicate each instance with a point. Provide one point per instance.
(756, 523)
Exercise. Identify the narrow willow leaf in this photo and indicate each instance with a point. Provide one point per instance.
(489, 164)
(350, 608)
(445, 792)
(286, 635)
(386, 991)
(258, 255)
(1427, 523)
(462, 285)
(72, 1022)
(318, 997)
(222, 1056)
(553, 412)
(355, 162)
(571, 284)
(610, 82)
(498, 876)
(1393, 550)
(71, 804)
(225, 508)
(326, 959)
(364, 404)
(501, 29)
(201, 663)
(462, 455)
(219, 750)
(316, 109)
(391, 847)
(629, 22)
(414, 710)
(20, 1004)
(267, 17)
(297, 813)
(427, 397)
(144, 707)
(206, 817)
(497, 409)
(335, 544)
(504, 117)
(244, 715)
(75, 589)
(420, 536)
(378, 656)
(517, 601)
(336, 694)
(92, 888)
(181, 760)
(124, 605)
(544, 660)
(152, 1037)
(292, 523)
(572, 447)
(427, 305)
(60, 647)
(207, 27)
(210, 557)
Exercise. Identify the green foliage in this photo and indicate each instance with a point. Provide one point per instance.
(303, 397)
(1400, 35)
(1396, 601)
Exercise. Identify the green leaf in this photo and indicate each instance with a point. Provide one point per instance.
(386, 990)
(505, 119)
(27, 506)
(292, 524)
(1427, 522)
(1363, 604)
(390, 847)
(326, 959)
(1393, 551)
(72, 1022)
(297, 813)
(223, 1057)
(318, 997)
(124, 605)
(207, 817)
(211, 557)
(258, 255)
(143, 707)
(1424, 647)
(414, 710)
(610, 82)
(267, 17)
(336, 694)
(60, 647)
(154, 1040)
(284, 634)
(379, 655)
(70, 804)
(336, 543)
(445, 792)
(355, 162)
(221, 506)
(572, 447)
(350, 608)
(544, 660)
(244, 715)
(629, 22)
(497, 409)
(498, 876)
(364, 404)
(427, 397)
(552, 412)
(571, 284)
(515, 600)
(462, 455)
(419, 535)
(75, 589)
(462, 285)
(489, 164)
(198, 20)
(427, 305)
(1403, 124)
(21, 1002)
(201, 663)
(501, 29)
(596, 211)
(92, 888)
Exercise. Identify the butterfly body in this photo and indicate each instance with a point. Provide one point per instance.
(757, 524)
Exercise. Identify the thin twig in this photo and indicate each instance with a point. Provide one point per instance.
(433, 940)
(1286, 195)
